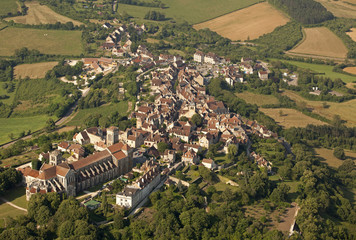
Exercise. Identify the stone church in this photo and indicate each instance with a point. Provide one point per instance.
(71, 178)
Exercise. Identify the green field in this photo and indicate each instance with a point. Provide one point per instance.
(8, 6)
(104, 110)
(17, 125)
(59, 42)
(16, 196)
(191, 11)
(320, 68)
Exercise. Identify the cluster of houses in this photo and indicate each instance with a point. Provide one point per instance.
(98, 65)
(121, 35)
(179, 91)
(233, 73)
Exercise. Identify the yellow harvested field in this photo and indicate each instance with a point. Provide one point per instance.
(346, 110)
(320, 41)
(352, 34)
(290, 117)
(331, 160)
(340, 8)
(351, 70)
(248, 23)
(34, 70)
(257, 99)
(41, 14)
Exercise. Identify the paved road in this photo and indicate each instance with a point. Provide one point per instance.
(13, 205)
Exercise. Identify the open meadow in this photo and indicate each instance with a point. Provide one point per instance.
(322, 68)
(191, 11)
(290, 117)
(248, 23)
(341, 8)
(59, 42)
(330, 159)
(320, 41)
(18, 125)
(346, 110)
(8, 6)
(41, 14)
(34, 70)
(257, 99)
(351, 70)
(352, 33)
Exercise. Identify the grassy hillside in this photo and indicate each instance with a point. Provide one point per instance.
(8, 6)
(18, 125)
(59, 42)
(104, 110)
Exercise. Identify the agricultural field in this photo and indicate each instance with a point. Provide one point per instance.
(352, 33)
(105, 110)
(59, 42)
(346, 110)
(41, 14)
(8, 6)
(330, 159)
(342, 8)
(248, 23)
(193, 12)
(320, 42)
(351, 70)
(257, 99)
(321, 68)
(290, 117)
(34, 70)
(17, 125)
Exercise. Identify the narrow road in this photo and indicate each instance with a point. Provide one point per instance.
(59, 122)
(13, 205)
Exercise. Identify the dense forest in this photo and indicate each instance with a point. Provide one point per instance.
(304, 11)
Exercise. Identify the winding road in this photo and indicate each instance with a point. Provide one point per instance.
(13, 205)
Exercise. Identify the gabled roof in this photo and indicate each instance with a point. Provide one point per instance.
(90, 159)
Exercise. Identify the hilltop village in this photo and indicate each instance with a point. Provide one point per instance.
(174, 131)
(160, 119)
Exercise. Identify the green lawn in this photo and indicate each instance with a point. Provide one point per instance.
(105, 110)
(18, 197)
(17, 125)
(191, 11)
(59, 42)
(8, 6)
(320, 68)
(221, 159)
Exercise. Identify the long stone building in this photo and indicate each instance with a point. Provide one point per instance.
(140, 189)
(71, 178)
